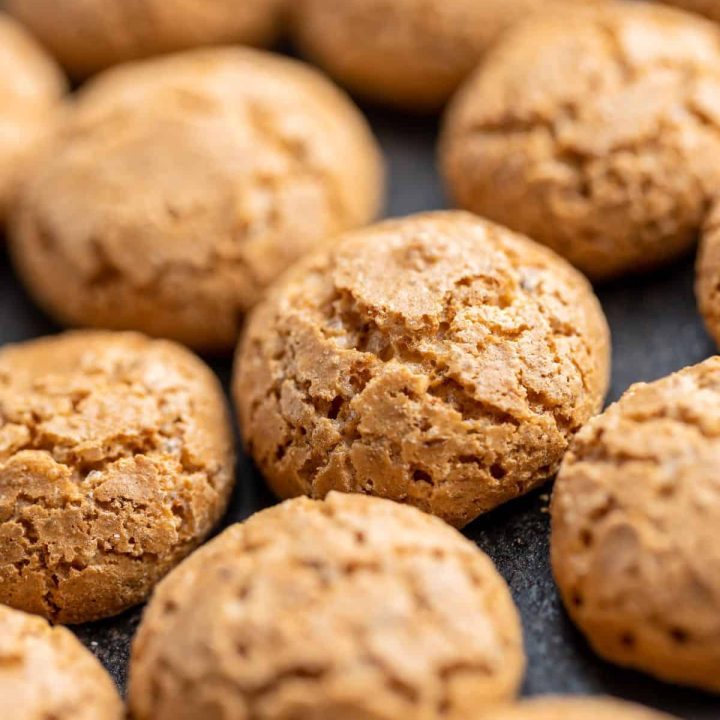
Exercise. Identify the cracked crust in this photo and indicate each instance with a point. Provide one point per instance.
(634, 536)
(411, 53)
(181, 187)
(115, 462)
(47, 674)
(30, 90)
(438, 360)
(559, 708)
(90, 35)
(596, 132)
(349, 607)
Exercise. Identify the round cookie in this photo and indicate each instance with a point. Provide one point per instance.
(575, 708)
(90, 35)
(181, 186)
(707, 285)
(47, 674)
(411, 53)
(116, 460)
(352, 607)
(438, 360)
(595, 132)
(635, 514)
(30, 89)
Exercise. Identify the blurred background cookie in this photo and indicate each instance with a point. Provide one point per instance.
(353, 607)
(594, 131)
(438, 360)
(46, 673)
(31, 86)
(90, 35)
(180, 187)
(635, 514)
(409, 53)
(116, 460)
(575, 708)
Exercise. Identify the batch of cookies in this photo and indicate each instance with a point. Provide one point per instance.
(393, 380)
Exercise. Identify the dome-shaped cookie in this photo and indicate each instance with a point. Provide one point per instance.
(594, 131)
(575, 708)
(353, 607)
(438, 360)
(635, 512)
(115, 462)
(89, 35)
(411, 53)
(181, 186)
(30, 87)
(47, 674)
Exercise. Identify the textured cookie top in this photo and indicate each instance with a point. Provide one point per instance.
(115, 460)
(180, 187)
(46, 673)
(93, 34)
(635, 516)
(351, 607)
(557, 708)
(596, 132)
(439, 360)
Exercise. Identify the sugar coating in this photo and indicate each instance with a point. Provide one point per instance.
(353, 607)
(116, 460)
(438, 360)
(635, 515)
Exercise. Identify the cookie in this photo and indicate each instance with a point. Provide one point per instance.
(47, 674)
(594, 131)
(349, 607)
(31, 86)
(181, 187)
(634, 525)
(409, 53)
(438, 360)
(579, 708)
(116, 460)
(708, 8)
(707, 285)
(91, 35)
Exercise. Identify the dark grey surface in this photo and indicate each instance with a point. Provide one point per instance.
(656, 330)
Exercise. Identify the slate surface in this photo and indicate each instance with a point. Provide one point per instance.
(656, 330)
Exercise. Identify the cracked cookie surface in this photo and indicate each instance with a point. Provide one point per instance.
(349, 607)
(596, 132)
(116, 460)
(89, 35)
(438, 360)
(561, 708)
(180, 187)
(635, 515)
(31, 87)
(47, 674)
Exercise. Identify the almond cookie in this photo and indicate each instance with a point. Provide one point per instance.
(181, 186)
(635, 514)
(596, 132)
(438, 360)
(47, 674)
(576, 708)
(30, 88)
(116, 460)
(89, 35)
(352, 607)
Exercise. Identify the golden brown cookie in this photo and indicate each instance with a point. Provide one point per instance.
(594, 131)
(636, 512)
(181, 186)
(116, 460)
(410, 53)
(578, 708)
(438, 360)
(352, 607)
(47, 674)
(30, 89)
(89, 35)
(707, 286)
